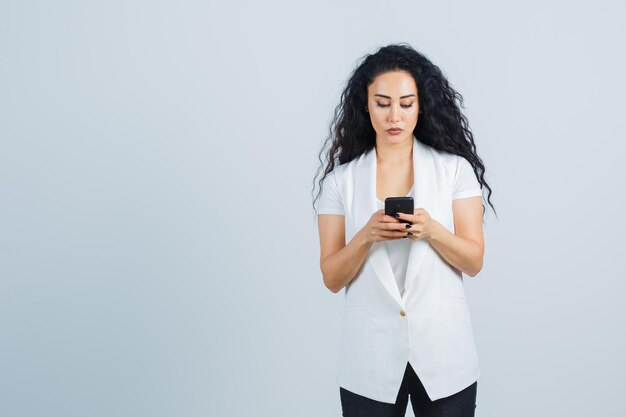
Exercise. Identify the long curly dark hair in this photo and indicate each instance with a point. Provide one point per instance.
(441, 124)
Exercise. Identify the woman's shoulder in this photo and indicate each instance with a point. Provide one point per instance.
(448, 159)
(338, 171)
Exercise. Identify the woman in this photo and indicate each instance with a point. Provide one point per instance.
(406, 327)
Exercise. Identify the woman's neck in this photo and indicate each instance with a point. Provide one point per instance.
(393, 154)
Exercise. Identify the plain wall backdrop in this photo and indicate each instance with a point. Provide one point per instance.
(158, 250)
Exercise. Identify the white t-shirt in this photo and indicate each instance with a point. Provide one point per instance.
(398, 252)
(465, 185)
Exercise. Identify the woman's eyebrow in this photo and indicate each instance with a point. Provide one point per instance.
(381, 95)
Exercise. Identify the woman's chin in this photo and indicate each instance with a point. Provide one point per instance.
(397, 139)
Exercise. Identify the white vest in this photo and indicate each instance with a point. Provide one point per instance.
(429, 325)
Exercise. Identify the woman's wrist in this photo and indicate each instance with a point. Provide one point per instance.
(437, 233)
(361, 239)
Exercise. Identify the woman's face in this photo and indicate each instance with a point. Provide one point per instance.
(392, 103)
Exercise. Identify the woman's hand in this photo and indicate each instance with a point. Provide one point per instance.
(422, 225)
(383, 227)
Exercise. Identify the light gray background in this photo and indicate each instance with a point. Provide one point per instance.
(158, 251)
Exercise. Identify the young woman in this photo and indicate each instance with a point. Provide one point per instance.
(406, 328)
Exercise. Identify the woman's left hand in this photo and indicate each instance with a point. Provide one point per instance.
(422, 225)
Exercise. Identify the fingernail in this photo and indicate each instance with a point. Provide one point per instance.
(408, 226)
(409, 234)
(403, 237)
(397, 215)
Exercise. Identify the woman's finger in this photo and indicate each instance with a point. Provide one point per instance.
(391, 234)
(410, 217)
(389, 219)
(394, 226)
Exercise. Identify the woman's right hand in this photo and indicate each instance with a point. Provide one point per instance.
(382, 227)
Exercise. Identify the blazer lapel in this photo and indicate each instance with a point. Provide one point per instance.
(425, 196)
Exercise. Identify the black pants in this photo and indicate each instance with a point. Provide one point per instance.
(460, 404)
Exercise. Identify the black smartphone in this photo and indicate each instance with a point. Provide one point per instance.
(395, 205)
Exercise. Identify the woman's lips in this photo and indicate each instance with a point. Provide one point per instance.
(394, 131)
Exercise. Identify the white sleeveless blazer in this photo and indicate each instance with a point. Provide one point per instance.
(429, 325)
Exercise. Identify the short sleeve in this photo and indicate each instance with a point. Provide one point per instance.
(465, 182)
(330, 199)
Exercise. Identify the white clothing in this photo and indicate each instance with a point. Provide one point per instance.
(428, 324)
(398, 251)
(465, 185)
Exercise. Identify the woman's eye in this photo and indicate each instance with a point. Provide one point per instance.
(387, 105)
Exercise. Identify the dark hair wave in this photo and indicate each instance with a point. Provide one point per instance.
(440, 125)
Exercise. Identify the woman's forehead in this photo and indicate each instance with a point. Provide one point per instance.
(393, 84)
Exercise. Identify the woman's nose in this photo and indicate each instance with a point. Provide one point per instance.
(394, 114)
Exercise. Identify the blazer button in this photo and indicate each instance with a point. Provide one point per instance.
(402, 313)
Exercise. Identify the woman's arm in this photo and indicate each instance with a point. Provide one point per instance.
(339, 262)
(465, 248)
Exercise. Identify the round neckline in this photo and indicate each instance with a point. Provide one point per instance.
(408, 195)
